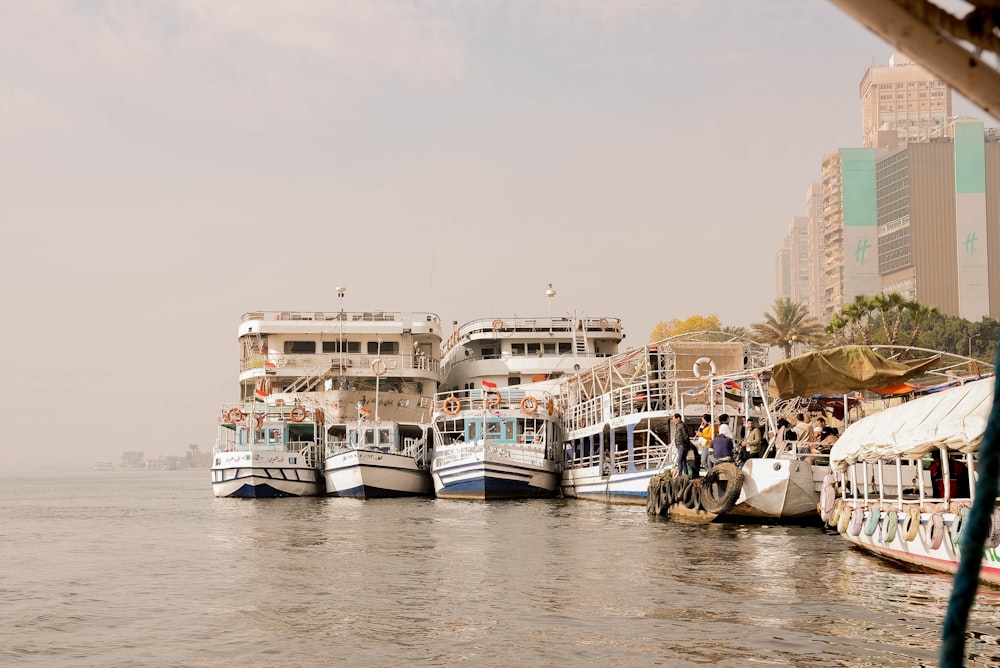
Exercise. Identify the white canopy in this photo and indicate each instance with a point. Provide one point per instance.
(954, 419)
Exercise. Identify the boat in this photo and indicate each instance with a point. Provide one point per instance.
(379, 459)
(512, 351)
(371, 374)
(903, 479)
(267, 448)
(496, 443)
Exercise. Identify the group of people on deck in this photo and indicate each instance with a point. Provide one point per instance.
(714, 444)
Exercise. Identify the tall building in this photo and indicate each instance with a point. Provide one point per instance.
(814, 215)
(850, 253)
(783, 272)
(939, 221)
(902, 101)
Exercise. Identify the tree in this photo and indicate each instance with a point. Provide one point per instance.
(883, 319)
(788, 322)
(695, 323)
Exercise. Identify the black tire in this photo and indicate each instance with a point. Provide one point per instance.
(720, 488)
(653, 496)
(666, 498)
(690, 497)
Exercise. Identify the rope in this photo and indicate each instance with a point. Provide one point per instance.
(973, 540)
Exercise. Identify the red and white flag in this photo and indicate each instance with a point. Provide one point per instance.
(489, 386)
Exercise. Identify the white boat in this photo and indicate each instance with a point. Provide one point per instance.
(516, 351)
(373, 374)
(268, 449)
(496, 443)
(335, 359)
(884, 498)
(616, 416)
(379, 460)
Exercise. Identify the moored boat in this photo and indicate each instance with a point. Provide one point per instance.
(496, 443)
(904, 479)
(267, 450)
(379, 459)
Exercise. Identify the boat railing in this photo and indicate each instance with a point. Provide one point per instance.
(326, 364)
(627, 400)
(349, 316)
(524, 453)
(611, 327)
(502, 398)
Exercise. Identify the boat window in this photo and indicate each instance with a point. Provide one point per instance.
(517, 349)
(385, 436)
(349, 347)
(387, 348)
(534, 348)
(300, 347)
(564, 348)
(549, 348)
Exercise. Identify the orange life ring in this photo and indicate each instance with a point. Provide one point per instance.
(379, 367)
(298, 414)
(604, 323)
(451, 405)
(529, 405)
(252, 422)
(497, 323)
(495, 401)
(234, 415)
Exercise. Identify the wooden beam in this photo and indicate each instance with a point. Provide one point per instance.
(935, 50)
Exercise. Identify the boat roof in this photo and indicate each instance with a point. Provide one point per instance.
(954, 419)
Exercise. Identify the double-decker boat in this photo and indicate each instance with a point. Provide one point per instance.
(361, 370)
(495, 426)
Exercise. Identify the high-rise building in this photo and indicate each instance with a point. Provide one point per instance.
(798, 259)
(939, 221)
(902, 103)
(850, 253)
(814, 215)
(783, 272)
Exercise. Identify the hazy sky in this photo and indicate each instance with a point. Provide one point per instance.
(168, 166)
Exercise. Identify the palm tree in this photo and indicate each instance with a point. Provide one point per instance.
(892, 303)
(918, 314)
(788, 322)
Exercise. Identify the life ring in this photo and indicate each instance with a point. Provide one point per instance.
(604, 323)
(956, 525)
(891, 526)
(495, 401)
(451, 405)
(827, 497)
(844, 519)
(252, 422)
(234, 415)
(871, 524)
(297, 414)
(721, 488)
(379, 367)
(529, 405)
(857, 521)
(935, 531)
(497, 324)
(993, 539)
(835, 515)
(911, 525)
(704, 360)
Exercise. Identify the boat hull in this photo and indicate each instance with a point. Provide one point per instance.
(260, 475)
(777, 489)
(479, 475)
(587, 483)
(367, 474)
(920, 552)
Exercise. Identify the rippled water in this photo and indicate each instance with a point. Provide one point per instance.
(148, 569)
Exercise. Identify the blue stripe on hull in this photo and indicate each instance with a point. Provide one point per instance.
(494, 488)
(369, 492)
(258, 492)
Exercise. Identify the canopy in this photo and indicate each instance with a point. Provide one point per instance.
(954, 419)
(841, 370)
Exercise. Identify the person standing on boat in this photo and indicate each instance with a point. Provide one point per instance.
(683, 445)
(706, 432)
(751, 444)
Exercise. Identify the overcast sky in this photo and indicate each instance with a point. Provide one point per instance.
(168, 166)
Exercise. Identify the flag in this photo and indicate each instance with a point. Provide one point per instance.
(365, 410)
(489, 386)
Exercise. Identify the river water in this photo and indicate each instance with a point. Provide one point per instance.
(115, 568)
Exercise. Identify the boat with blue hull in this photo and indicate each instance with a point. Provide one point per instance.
(268, 450)
(496, 443)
